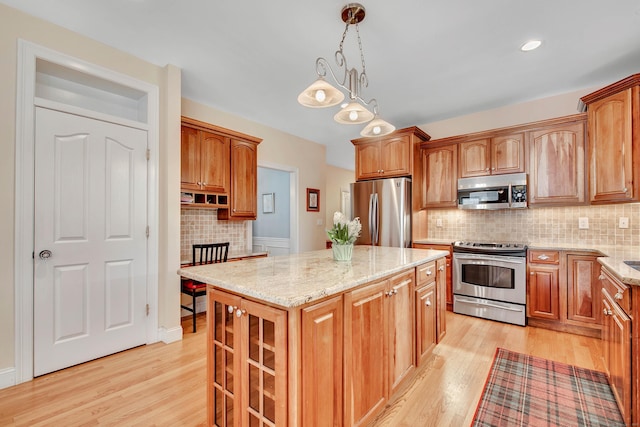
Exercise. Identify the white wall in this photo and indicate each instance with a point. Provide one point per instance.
(337, 179)
(275, 224)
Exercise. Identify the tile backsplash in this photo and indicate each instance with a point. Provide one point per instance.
(539, 225)
(202, 226)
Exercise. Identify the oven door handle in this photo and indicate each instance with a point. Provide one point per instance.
(486, 304)
(482, 258)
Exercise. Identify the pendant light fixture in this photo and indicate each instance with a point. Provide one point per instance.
(321, 94)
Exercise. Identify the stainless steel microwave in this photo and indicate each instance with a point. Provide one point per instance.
(507, 191)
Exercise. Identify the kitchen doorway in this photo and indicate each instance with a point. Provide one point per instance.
(275, 230)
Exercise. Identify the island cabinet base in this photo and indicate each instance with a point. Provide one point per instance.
(333, 362)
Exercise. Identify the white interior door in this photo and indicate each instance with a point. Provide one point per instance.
(91, 215)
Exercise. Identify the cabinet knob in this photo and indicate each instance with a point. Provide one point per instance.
(231, 309)
(601, 277)
(532, 273)
(441, 268)
(607, 312)
(493, 169)
(427, 303)
(624, 189)
(428, 273)
(204, 183)
(618, 296)
(240, 312)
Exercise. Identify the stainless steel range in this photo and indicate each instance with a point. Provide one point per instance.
(490, 280)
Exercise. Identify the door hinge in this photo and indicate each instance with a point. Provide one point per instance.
(147, 231)
(147, 309)
(148, 153)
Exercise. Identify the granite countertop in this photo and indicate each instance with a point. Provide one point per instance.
(293, 280)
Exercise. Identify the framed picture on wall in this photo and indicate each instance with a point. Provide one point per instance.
(313, 200)
(268, 200)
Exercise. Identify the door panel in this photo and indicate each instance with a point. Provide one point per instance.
(90, 213)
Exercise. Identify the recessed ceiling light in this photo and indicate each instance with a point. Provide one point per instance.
(530, 45)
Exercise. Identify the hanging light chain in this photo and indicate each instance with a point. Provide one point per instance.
(364, 68)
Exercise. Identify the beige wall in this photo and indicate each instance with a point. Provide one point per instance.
(16, 25)
(337, 179)
(282, 149)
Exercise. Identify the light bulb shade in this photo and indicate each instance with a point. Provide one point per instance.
(377, 127)
(352, 114)
(320, 94)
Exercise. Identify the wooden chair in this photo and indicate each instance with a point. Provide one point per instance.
(202, 254)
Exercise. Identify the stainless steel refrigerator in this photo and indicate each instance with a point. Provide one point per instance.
(384, 209)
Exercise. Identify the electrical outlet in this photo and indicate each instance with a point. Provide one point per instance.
(583, 222)
(623, 222)
(439, 222)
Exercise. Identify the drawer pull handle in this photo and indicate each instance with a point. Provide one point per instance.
(543, 257)
(618, 296)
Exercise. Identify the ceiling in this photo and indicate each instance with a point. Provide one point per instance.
(426, 60)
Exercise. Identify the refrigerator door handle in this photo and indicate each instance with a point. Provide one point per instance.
(371, 223)
(376, 219)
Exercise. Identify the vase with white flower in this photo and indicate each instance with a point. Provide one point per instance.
(342, 235)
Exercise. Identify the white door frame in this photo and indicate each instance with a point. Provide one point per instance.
(24, 192)
(293, 201)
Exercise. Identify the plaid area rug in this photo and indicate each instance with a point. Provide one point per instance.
(523, 390)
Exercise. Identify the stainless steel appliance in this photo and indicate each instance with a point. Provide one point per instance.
(490, 281)
(384, 208)
(493, 192)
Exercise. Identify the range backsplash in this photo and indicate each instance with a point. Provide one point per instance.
(202, 226)
(539, 225)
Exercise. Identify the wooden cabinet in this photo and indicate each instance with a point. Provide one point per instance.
(379, 344)
(441, 292)
(448, 269)
(244, 182)
(543, 287)
(583, 290)
(557, 159)
(492, 156)
(439, 178)
(388, 156)
(563, 291)
(322, 335)
(614, 141)
(426, 305)
(617, 341)
(247, 373)
(218, 169)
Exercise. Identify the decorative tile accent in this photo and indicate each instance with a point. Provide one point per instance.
(539, 225)
(202, 226)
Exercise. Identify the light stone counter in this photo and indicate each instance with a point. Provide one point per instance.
(293, 280)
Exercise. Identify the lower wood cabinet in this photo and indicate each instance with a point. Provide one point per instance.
(563, 291)
(322, 352)
(441, 292)
(617, 340)
(247, 372)
(448, 269)
(379, 344)
(336, 362)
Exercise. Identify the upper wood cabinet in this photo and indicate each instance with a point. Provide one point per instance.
(244, 181)
(387, 156)
(557, 154)
(219, 169)
(204, 160)
(439, 177)
(492, 156)
(614, 141)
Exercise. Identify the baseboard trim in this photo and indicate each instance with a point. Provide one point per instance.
(7, 377)
(168, 336)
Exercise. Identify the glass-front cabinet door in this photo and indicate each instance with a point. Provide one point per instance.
(247, 363)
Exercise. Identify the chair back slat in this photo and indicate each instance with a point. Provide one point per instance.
(209, 253)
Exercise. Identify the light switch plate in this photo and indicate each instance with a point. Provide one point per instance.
(319, 221)
(439, 222)
(583, 223)
(623, 222)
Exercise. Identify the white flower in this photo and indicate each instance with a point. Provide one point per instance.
(344, 231)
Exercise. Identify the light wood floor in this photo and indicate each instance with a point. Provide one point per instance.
(164, 385)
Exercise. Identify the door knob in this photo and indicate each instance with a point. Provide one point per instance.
(44, 255)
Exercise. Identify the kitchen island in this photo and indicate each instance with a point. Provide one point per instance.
(306, 340)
